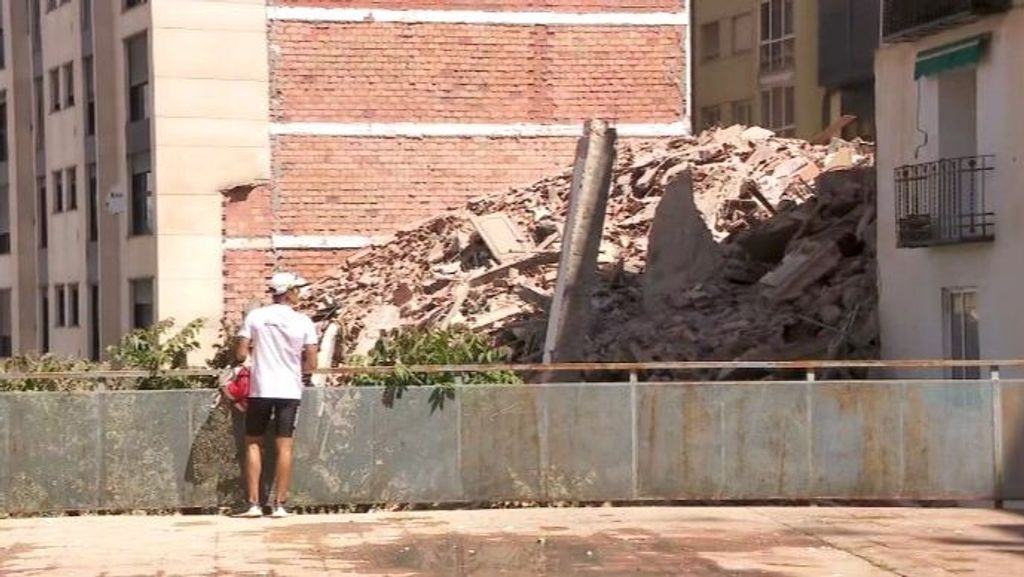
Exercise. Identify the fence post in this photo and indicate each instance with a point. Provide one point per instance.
(997, 435)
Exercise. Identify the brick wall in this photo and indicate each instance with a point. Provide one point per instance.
(341, 77)
(506, 5)
(391, 72)
(371, 186)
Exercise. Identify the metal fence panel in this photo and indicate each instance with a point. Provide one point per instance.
(55, 452)
(501, 444)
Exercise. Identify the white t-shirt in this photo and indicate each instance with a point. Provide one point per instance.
(278, 335)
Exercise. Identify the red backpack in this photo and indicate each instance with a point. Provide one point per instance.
(236, 388)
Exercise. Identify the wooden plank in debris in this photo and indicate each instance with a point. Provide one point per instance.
(491, 318)
(833, 130)
(533, 294)
(502, 237)
(491, 275)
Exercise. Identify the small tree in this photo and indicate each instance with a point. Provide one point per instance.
(417, 346)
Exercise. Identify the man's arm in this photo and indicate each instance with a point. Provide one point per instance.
(242, 349)
(309, 363)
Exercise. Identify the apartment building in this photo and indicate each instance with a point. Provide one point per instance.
(951, 140)
(164, 157)
(794, 66)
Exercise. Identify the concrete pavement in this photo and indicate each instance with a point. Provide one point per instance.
(700, 542)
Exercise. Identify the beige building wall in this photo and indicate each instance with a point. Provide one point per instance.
(912, 281)
(211, 133)
(735, 76)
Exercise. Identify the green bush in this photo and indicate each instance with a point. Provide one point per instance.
(414, 346)
(46, 364)
(152, 350)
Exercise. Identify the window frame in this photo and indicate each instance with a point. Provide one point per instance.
(57, 182)
(68, 77)
(768, 120)
(55, 92)
(74, 305)
(705, 54)
(60, 317)
(777, 41)
(134, 284)
(71, 187)
(751, 38)
(963, 352)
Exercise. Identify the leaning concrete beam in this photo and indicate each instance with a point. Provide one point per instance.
(581, 243)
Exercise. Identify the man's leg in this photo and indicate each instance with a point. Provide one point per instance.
(257, 417)
(283, 474)
(287, 414)
(253, 468)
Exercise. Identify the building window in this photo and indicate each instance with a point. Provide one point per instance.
(74, 305)
(6, 324)
(58, 191)
(37, 87)
(69, 85)
(710, 41)
(87, 15)
(4, 149)
(54, 89)
(742, 33)
(128, 4)
(138, 78)
(60, 299)
(142, 303)
(94, 322)
(44, 319)
(743, 112)
(710, 116)
(94, 205)
(90, 96)
(962, 341)
(72, 184)
(5, 219)
(3, 38)
(44, 215)
(778, 110)
(141, 195)
(778, 41)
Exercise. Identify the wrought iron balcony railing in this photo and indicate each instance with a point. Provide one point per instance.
(908, 19)
(944, 202)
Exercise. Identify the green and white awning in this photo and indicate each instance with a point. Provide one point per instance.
(951, 56)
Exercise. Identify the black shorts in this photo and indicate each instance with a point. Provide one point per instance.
(257, 416)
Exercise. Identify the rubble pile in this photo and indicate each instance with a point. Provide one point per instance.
(788, 233)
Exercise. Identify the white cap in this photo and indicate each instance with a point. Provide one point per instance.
(283, 282)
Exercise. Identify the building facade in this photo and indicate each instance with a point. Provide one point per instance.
(161, 158)
(794, 66)
(949, 169)
(756, 63)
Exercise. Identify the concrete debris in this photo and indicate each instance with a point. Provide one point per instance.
(501, 236)
(784, 273)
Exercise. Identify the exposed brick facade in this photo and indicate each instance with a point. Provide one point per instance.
(372, 186)
(475, 73)
(357, 73)
(505, 5)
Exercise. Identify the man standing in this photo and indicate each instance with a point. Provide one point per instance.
(283, 344)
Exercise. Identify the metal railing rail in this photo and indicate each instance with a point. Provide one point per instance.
(810, 367)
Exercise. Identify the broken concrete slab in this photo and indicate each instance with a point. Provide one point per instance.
(755, 133)
(380, 320)
(502, 237)
(682, 251)
(800, 269)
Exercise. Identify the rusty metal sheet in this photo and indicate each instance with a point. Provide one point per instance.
(588, 443)
(500, 443)
(948, 441)
(1012, 431)
(334, 445)
(415, 452)
(857, 441)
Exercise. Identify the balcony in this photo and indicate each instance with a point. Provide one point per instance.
(909, 19)
(944, 202)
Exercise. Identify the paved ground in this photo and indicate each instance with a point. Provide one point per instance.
(742, 542)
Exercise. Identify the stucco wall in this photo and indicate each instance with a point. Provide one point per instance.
(912, 280)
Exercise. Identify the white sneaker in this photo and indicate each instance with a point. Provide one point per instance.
(253, 512)
(279, 512)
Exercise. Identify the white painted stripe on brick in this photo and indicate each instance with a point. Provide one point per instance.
(281, 242)
(513, 18)
(457, 130)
